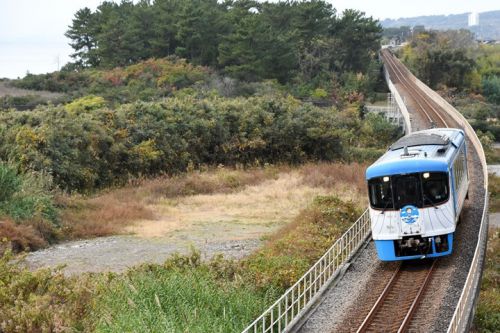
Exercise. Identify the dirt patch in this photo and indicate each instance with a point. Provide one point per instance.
(229, 223)
(7, 90)
(239, 215)
(495, 220)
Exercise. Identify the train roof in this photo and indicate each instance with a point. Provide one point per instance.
(428, 150)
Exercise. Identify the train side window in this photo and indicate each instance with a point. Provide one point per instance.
(435, 188)
(380, 193)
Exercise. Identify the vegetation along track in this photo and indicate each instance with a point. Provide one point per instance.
(395, 307)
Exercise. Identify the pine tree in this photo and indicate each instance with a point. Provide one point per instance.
(82, 32)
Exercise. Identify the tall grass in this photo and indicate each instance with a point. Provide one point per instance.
(487, 317)
(187, 297)
(29, 217)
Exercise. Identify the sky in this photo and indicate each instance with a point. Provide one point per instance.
(32, 31)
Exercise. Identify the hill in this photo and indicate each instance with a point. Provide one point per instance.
(488, 28)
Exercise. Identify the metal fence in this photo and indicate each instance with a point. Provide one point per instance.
(400, 103)
(289, 308)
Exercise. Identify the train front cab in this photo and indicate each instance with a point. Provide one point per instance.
(419, 193)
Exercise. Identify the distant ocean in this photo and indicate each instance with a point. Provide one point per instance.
(17, 59)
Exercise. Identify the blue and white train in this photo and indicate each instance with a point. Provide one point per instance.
(417, 190)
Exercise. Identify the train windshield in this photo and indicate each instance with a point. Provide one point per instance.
(418, 189)
(407, 190)
(435, 188)
(381, 193)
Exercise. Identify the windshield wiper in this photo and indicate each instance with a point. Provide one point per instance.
(432, 203)
(386, 206)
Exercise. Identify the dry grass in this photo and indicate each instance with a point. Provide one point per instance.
(248, 213)
(229, 203)
(111, 212)
(6, 90)
(21, 237)
(333, 175)
(103, 215)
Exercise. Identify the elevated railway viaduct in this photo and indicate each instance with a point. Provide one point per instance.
(349, 290)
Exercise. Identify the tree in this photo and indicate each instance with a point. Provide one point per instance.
(199, 25)
(82, 32)
(358, 41)
(443, 58)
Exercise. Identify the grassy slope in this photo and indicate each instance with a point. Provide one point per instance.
(184, 294)
(488, 310)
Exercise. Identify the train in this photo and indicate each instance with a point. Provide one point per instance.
(417, 191)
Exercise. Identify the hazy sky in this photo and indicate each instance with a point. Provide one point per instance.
(32, 31)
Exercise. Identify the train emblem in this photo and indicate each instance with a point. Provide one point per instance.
(409, 214)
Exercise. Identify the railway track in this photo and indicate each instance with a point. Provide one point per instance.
(396, 309)
(398, 73)
(393, 311)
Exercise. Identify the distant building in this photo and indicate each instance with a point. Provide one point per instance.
(395, 41)
(473, 19)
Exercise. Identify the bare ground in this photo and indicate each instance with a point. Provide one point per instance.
(233, 224)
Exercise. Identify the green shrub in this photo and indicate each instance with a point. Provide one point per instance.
(146, 80)
(41, 301)
(25, 196)
(10, 183)
(87, 103)
(87, 149)
(491, 88)
(30, 217)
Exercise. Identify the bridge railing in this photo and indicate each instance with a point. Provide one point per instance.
(400, 102)
(291, 306)
(464, 311)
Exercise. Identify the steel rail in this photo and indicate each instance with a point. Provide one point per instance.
(414, 92)
(403, 326)
(379, 302)
(435, 110)
(404, 83)
(416, 301)
(412, 89)
(464, 310)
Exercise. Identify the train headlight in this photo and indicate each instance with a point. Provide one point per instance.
(386, 179)
(426, 175)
